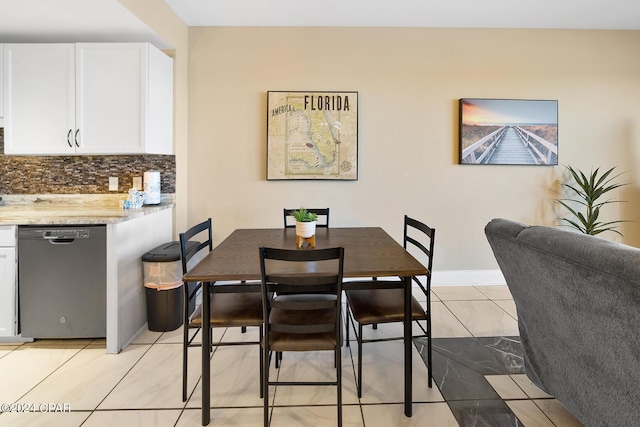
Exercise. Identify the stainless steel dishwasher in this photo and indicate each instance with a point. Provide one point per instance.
(62, 281)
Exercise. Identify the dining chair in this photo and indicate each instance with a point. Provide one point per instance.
(226, 309)
(323, 217)
(301, 304)
(323, 221)
(377, 306)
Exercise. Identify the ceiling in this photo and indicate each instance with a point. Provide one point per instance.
(564, 14)
(59, 21)
(110, 21)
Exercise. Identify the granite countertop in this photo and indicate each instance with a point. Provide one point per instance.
(72, 209)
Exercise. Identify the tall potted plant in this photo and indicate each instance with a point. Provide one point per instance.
(588, 192)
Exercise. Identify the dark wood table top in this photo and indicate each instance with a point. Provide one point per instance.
(369, 252)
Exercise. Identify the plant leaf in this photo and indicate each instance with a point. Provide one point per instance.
(587, 191)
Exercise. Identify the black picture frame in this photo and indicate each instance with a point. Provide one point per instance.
(312, 135)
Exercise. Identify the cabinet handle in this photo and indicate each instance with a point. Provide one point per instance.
(75, 138)
(68, 138)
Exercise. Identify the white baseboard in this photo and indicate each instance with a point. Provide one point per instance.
(467, 278)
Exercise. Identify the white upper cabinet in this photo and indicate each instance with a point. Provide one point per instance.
(124, 99)
(39, 101)
(1, 88)
(88, 98)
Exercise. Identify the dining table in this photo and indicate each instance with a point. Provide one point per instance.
(369, 252)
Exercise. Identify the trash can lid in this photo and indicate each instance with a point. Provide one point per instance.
(167, 252)
(163, 286)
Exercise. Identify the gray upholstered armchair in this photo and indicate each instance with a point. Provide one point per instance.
(578, 303)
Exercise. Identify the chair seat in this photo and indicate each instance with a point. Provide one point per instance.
(381, 306)
(283, 341)
(314, 342)
(232, 309)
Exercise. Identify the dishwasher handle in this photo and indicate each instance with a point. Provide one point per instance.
(58, 240)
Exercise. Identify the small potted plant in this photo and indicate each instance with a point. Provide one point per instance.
(305, 222)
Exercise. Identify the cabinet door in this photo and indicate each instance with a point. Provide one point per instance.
(111, 95)
(160, 124)
(7, 292)
(39, 98)
(1, 85)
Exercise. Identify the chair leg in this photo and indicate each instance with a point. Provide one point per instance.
(185, 347)
(185, 338)
(261, 357)
(265, 384)
(339, 384)
(359, 379)
(346, 324)
(429, 358)
(429, 333)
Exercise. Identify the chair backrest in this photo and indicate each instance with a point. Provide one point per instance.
(323, 217)
(422, 237)
(305, 280)
(190, 246)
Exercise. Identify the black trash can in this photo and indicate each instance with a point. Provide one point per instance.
(164, 287)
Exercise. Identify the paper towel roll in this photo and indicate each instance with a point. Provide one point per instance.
(151, 188)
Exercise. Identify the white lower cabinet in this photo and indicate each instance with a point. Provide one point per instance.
(87, 98)
(8, 283)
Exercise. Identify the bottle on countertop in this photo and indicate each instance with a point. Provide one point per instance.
(152, 187)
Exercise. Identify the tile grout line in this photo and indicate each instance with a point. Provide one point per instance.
(54, 371)
(120, 381)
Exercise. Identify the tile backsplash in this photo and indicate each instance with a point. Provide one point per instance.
(80, 174)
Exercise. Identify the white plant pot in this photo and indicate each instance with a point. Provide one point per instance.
(305, 229)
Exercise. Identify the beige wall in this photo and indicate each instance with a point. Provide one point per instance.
(409, 82)
(160, 18)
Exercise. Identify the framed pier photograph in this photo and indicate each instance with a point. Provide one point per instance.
(508, 132)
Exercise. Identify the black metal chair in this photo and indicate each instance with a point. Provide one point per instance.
(323, 217)
(227, 309)
(376, 306)
(323, 222)
(305, 313)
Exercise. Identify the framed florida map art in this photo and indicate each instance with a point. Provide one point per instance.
(312, 135)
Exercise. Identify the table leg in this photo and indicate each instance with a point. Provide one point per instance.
(206, 368)
(408, 351)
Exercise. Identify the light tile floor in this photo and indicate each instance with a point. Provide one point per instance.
(74, 383)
